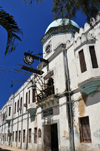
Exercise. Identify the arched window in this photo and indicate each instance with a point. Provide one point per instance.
(47, 49)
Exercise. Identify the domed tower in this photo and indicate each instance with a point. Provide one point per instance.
(54, 36)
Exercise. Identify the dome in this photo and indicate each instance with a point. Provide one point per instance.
(58, 22)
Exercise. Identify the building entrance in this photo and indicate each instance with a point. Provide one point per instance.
(51, 137)
(54, 137)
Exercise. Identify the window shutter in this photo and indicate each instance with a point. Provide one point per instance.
(19, 135)
(26, 98)
(80, 130)
(16, 137)
(9, 111)
(17, 105)
(29, 97)
(82, 61)
(93, 57)
(21, 102)
(33, 95)
(85, 134)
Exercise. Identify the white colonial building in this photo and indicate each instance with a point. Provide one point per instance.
(59, 109)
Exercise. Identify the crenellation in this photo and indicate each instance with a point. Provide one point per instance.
(98, 17)
(81, 31)
(86, 27)
(84, 38)
(72, 40)
(76, 35)
(92, 21)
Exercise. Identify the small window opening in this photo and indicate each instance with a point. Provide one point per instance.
(93, 57)
(85, 133)
(47, 49)
(82, 61)
(50, 86)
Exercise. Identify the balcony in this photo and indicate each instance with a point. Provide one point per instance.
(91, 87)
(47, 96)
(8, 119)
(45, 93)
(31, 108)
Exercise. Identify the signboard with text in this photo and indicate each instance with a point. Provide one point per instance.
(48, 112)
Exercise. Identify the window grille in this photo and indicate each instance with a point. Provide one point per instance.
(82, 61)
(85, 134)
(93, 57)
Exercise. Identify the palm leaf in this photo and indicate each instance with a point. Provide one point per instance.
(7, 21)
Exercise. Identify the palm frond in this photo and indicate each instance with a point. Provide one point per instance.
(7, 21)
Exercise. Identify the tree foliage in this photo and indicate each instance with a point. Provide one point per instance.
(30, 1)
(7, 21)
(69, 8)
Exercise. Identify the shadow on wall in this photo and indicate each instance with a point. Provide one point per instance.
(4, 149)
(88, 100)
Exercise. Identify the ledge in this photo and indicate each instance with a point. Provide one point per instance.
(90, 88)
(48, 100)
(8, 119)
(31, 108)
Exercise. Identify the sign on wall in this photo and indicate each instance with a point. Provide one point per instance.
(39, 132)
(48, 112)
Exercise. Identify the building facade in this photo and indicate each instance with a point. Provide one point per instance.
(59, 109)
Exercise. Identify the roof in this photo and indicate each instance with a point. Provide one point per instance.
(58, 22)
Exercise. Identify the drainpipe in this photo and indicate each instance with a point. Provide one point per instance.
(22, 120)
(72, 146)
(27, 130)
(17, 121)
(12, 117)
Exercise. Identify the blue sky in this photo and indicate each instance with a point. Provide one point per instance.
(33, 20)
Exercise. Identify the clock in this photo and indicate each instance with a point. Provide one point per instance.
(28, 59)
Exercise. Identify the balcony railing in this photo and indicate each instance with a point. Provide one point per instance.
(45, 93)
